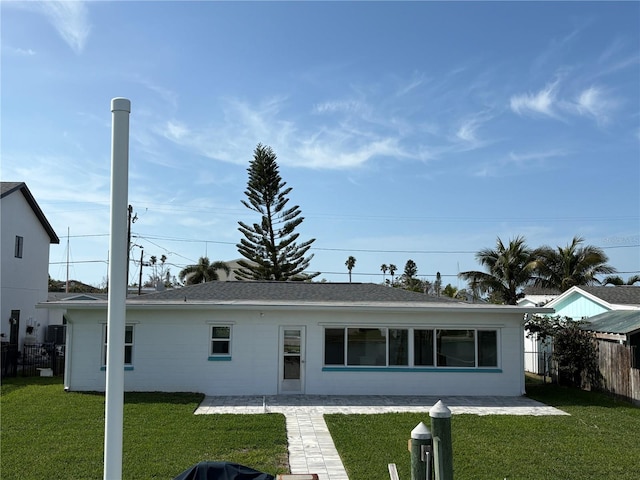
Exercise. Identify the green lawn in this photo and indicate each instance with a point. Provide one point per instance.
(599, 440)
(47, 433)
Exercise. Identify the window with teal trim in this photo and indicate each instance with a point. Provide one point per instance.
(128, 346)
(423, 348)
(334, 346)
(456, 348)
(428, 348)
(487, 348)
(220, 341)
(366, 346)
(398, 347)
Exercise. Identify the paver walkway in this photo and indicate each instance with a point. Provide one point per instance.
(311, 448)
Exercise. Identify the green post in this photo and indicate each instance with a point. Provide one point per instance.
(420, 439)
(443, 448)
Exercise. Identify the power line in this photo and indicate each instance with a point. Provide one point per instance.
(173, 207)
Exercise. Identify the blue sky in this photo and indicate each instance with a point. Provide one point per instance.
(417, 130)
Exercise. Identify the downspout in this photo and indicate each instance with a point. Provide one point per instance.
(68, 341)
(523, 390)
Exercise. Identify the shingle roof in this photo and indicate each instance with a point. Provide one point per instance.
(615, 321)
(291, 291)
(7, 188)
(620, 294)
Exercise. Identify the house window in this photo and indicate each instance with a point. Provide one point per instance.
(398, 347)
(456, 348)
(128, 346)
(390, 347)
(334, 346)
(423, 348)
(487, 348)
(220, 341)
(366, 346)
(19, 245)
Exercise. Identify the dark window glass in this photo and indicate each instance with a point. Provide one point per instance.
(128, 345)
(221, 332)
(128, 354)
(334, 346)
(19, 245)
(423, 347)
(456, 348)
(220, 340)
(398, 346)
(487, 348)
(366, 346)
(219, 348)
(128, 334)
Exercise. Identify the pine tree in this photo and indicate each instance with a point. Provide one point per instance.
(270, 247)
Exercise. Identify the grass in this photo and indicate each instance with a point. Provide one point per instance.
(599, 440)
(48, 433)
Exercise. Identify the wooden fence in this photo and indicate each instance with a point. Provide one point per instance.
(620, 378)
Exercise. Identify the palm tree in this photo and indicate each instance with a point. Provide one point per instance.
(618, 281)
(564, 267)
(392, 271)
(510, 268)
(384, 269)
(202, 272)
(350, 263)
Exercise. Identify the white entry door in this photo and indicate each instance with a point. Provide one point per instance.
(291, 360)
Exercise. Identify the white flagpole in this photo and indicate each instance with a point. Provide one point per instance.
(116, 313)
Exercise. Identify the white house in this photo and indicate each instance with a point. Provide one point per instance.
(25, 236)
(536, 353)
(266, 338)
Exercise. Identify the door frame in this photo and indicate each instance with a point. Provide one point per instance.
(291, 386)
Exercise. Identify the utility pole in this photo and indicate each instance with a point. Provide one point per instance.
(140, 280)
(131, 219)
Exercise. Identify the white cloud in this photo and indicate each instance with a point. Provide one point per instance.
(541, 102)
(70, 19)
(176, 131)
(166, 94)
(536, 156)
(320, 154)
(415, 82)
(346, 144)
(593, 103)
(337, 106)
(26, 52)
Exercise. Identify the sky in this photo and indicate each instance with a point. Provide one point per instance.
(407, 130)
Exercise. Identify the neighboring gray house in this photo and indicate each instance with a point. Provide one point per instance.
(265, 338)
(24, 277)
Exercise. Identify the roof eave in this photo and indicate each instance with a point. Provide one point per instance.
(279, 305)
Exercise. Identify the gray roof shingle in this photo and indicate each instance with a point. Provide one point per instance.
(620, 294)
(290, 291)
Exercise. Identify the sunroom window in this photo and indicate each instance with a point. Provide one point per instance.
(366, 346)
(391, 347)
(456, 348)
(487, 348)
(423, 348)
